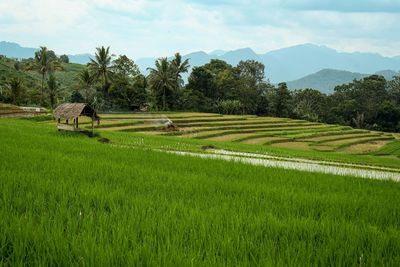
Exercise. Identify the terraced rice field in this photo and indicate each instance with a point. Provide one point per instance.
(277, 132)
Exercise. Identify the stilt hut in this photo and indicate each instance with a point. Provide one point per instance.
(67, 116)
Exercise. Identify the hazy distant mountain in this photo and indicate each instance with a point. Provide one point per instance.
(325, 80)
(286, 64)
(80, 58)
(388, 74)
(295, 62)
(217, 52)
(14, 50)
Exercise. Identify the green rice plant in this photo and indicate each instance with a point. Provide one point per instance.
(392, 148)
(240, 122)
(67, 200)
(283, 130)
(40, 118)
(362, 141)
(339, 138)
(288, 132)
(242, 127)
(326, 132)
(119, 124)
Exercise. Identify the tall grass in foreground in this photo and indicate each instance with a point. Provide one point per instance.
(69, 200)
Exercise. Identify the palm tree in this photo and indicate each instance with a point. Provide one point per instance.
(179, 67)
(101, 66)
(86, 81)
(162, 78)
(44, 63)
(52, 87)
(15, 85)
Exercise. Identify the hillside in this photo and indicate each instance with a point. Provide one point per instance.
(327, 79)
(31, 79)
(14, 50)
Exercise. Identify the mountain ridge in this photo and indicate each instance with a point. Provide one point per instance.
(326, 80)
(284, 64)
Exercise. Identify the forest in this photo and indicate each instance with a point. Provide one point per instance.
(115, 83)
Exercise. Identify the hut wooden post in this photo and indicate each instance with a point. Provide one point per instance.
(76, 120)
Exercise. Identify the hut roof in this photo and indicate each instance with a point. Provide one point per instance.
(74, 110)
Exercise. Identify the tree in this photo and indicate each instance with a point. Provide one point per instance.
(85, 83)
(201, 80)
(280, 101)
(178, 68)
(229, 106)
(252, 69)
(64, 59)
(17, 65)
(250, 85)
(360, 97)
(124, 66)
(16, 87)
(162, 80)
(128, 93)
(52, 87)
(44, 62)
(100, 67)
(309, 104)
(76, 97)
(394, 90)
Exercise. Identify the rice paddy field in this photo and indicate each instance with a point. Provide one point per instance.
(297, 136)
(66, 199)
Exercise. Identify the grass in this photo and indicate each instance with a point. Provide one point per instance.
(69, 200)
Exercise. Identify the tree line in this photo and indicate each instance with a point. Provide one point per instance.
(116, 83)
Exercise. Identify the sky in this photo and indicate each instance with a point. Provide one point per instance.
(154, 28)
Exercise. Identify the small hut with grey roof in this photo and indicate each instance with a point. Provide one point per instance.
(70, 112)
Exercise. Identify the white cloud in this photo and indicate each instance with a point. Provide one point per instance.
(142, 28)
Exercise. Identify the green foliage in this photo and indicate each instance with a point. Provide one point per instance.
(53, 89)
(229, 106)
(100, 67)
(124, 66)
(64, 59)
(162, 84)
(309, 104)
(16, 88)
(76, 97)
(279, 99)
(45, 62)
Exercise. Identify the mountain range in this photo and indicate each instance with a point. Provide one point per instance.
(14, 50)
(306, 65)
(325, 80)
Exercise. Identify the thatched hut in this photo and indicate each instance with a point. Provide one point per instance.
(70, 112)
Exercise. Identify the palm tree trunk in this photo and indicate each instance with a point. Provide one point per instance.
(41, 93)
(164, 98)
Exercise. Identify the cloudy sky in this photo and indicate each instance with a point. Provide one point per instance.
(152, 28)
